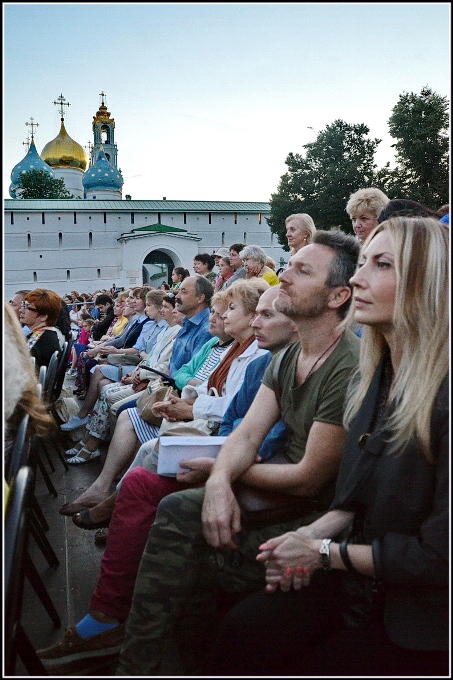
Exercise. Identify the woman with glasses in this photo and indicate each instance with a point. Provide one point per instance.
(39, 311)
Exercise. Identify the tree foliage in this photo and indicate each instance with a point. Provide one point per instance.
(337, 163)
(341, 160)
(419, 123)
(38, 184)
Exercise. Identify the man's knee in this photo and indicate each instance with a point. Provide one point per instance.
(180, 513)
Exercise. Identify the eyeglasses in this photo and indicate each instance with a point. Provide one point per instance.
(168, 294)
(25, 306)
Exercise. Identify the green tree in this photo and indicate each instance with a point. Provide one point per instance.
(339, 162)
(38, 184)
(419, 123)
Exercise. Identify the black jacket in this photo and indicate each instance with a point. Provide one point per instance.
(100, 328)
(406, 503)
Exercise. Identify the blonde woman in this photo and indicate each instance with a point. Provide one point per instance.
(377, 562)
(20, 381)
(300, 230)
(364, 207)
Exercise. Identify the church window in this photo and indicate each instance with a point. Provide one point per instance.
(235, 216)
(223, 238)
(105, 218)
(75, 218)
(43, 218)
(158, 218)
(90, 239)
(185, 218)
(12, 218)
(35, 277)
(132, 218)
(245, 237)
(60, 239)
(28, 241)
(68, 275)
(259, 218)
(210, 218)
(99, 273)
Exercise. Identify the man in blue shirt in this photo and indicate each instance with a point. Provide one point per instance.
(193, 300)
(273, 331)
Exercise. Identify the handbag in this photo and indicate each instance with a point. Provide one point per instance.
(157, 390)
(261, 507)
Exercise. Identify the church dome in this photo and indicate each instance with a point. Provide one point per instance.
(32, 161)
(64, 152)
(102, 175)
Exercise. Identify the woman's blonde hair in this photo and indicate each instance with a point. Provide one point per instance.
(248, 291)
(21, 381)
(219, 298)
(420, 321)
(304, 223)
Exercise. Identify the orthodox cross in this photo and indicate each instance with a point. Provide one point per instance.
(61, 101)
(32, 124)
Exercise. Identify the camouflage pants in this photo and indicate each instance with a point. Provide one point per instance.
(179, 577)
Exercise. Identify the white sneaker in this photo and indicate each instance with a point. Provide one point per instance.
(74, 423)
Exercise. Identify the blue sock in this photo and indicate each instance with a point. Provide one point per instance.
(88, 627)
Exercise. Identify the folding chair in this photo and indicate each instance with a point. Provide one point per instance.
(17, 642)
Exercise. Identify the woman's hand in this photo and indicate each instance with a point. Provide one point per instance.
(290, 560)
(108, 349)
(174, 409)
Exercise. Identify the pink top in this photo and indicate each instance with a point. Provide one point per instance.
(84, 337)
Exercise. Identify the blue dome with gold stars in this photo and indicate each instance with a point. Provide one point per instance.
(32, 161)
(102, 175)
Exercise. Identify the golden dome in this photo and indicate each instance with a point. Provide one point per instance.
(64, 152)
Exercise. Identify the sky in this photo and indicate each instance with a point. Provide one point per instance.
(209, 98)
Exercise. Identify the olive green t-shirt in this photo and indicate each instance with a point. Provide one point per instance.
(321, 397)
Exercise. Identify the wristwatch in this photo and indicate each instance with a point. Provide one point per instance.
(324, 553)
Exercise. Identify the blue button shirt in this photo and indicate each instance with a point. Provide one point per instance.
(147, 343)
(192, 336)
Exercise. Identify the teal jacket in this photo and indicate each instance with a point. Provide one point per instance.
(187, 371)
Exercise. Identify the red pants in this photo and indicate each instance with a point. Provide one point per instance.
(135, 509)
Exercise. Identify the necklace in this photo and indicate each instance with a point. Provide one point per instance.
(321, 356)
(34, 336)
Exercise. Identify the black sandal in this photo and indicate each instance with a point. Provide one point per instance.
(84, 521)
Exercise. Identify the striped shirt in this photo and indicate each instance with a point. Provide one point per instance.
(212, 361)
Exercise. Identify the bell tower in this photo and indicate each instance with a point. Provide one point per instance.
(104, 134)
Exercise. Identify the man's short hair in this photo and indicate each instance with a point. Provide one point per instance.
(104, 300)
(204, 287)
(343, 266)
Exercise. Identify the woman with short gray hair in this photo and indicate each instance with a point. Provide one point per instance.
(254, 259)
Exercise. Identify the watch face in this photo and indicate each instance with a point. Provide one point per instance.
(324, 552)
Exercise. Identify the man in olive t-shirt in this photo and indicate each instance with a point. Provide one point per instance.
(196, 544)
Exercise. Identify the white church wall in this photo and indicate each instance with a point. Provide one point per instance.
(49, 246)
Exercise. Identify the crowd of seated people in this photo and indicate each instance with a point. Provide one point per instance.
(333, 402)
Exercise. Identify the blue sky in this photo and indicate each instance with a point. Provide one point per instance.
(209, 99)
